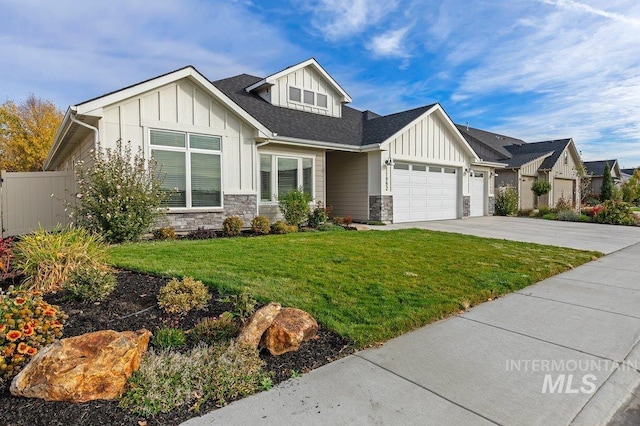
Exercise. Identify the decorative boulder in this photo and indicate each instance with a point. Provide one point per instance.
(83, 368)
(257, 323)
(290, 328)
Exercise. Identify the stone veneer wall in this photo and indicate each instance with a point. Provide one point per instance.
(381, 208)
(492, 206)
(466, 206)
(244, 206)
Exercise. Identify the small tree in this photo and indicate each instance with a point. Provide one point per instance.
(506, 201)
(294, 206)
(631, 188)
(606, 190)
(540, 188)
(119, 195)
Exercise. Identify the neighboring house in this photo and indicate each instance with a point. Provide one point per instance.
(596, 170)
(232, 146)
(554, 161)
(625, 174)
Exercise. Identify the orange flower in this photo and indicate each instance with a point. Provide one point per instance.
(23, 348)
(56, 324)
(19, 301)
(49, 312)
(2, 327)
(27, 331)
(13, 335)
(32, 351)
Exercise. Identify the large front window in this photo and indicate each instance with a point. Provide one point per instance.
(190, 164)
(279, 175)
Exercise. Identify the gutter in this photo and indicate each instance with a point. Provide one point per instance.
(88, 126)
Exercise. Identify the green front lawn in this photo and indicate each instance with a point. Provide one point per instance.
(369, 286)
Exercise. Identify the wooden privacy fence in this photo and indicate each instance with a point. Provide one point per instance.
(32, 199)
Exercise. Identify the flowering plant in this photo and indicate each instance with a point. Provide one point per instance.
(27, 323)
(5, 255)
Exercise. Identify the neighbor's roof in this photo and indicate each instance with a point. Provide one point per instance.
(494, 141)
(596, 168)
(521, 159)
(555, 147)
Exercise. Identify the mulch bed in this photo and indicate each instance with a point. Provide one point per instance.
(132, 306)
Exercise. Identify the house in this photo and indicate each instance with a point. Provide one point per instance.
(555, 161)
(232, 146)
(596, 170)
(625, 174)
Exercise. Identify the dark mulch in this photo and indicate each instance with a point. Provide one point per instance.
(133, 306)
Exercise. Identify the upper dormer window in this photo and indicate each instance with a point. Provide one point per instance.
(308, 97)
(295, 94)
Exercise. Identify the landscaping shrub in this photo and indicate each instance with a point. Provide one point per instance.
(202, 234)
(179, 297)
(294, 206)
(318, 216)
(169, 338)
(232, 226)
(568, 216)
(260, 225)
(90, 284)
(338, 220)
(606, 190)
(550, 216)
(119, 195)
(212, 330)
(280, 227)
(330, 227)
(563, 205)
(161, 234)
(170, 380)
(541, 187)
(506, 201)
(6, 254)
(544, 210)
(28, 324)
(49, 258)
(243, 305)
(527, 213)
(348, 220)
(616, 213)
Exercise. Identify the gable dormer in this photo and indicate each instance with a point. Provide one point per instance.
(305, 86)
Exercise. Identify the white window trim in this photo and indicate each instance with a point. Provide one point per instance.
(186, 149)
(303, 103)
(274, 175)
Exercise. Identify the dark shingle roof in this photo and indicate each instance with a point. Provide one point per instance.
(629, 171)
(522, 159)
(555, 146)
(596, 168)
(494, 141)
(355, 127)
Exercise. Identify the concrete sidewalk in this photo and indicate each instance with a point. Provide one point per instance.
(563, 351)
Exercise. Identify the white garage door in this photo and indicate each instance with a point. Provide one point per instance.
(477, 187)
(423, 192)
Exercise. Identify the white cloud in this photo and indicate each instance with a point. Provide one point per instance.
(390, 44)
(339, 19)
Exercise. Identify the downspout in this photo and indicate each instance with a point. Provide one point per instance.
(88, 126)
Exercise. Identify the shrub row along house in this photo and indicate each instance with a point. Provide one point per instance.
(232, 146)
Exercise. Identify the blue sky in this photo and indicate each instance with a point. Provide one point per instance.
(532, 69)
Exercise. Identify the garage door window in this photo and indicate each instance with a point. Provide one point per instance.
(450, 170)
(400, 166)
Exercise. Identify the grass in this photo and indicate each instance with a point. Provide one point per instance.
(368, 286)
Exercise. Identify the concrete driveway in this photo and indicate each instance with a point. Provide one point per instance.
(584, 236)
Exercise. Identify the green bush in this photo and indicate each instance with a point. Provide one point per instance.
(90, 284)
(318, 216)
(568, 216)
(49, 258)
(616, 213)
(170, 380)
(232, 226)
(550, 216)
(161, 234)
(243, 305)
(211, 330)
(541, 187)
(330, 227)
(294, 206)
(169, 338)
(180, 297)
(260, 225)
(506, 201)
(28, 323)
(119, 195)
(280, 227)
(338, 220)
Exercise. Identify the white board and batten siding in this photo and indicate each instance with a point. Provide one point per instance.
(183, 106)
(304, 79)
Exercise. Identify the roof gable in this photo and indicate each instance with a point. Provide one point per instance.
(494, 141)
(596, 168)
(556, 147)
(311, 63)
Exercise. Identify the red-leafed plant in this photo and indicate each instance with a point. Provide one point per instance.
(6, 254)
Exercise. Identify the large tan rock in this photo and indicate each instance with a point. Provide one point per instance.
(83, 368)
(290, 328)
(257, 323)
